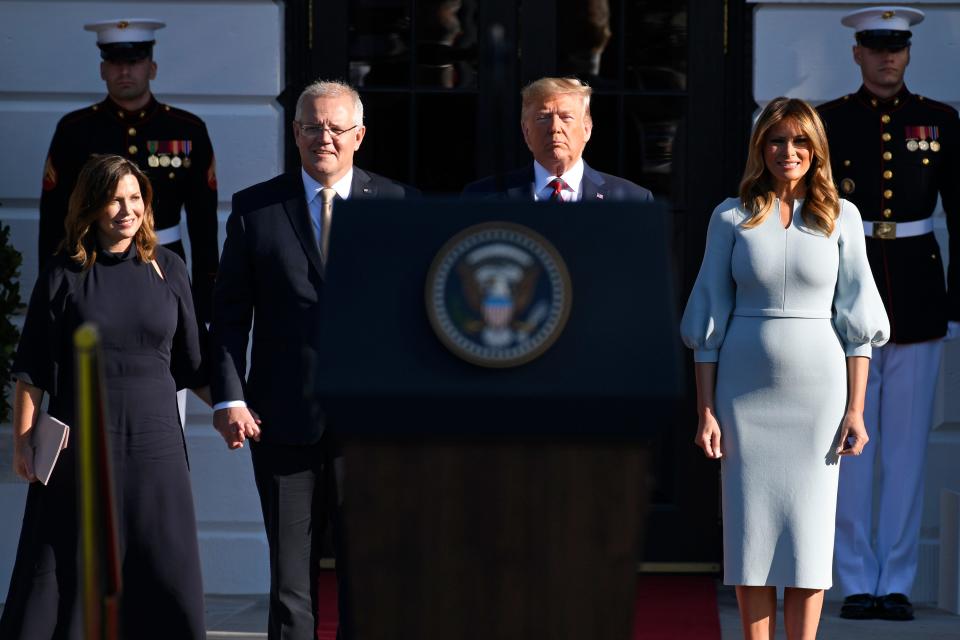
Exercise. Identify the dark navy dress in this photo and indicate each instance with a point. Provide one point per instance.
(150, 348)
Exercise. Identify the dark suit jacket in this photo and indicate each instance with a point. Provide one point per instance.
(271, 268)
(597, 186)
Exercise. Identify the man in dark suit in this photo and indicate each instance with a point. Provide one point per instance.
(556, 123)
(272, 267)
(893, 153)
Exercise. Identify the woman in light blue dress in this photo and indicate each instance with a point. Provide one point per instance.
(781, 319)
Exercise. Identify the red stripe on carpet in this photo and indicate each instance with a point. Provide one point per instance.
(667, 608)
(676, 608)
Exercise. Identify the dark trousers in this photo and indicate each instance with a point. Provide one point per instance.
(298, 497)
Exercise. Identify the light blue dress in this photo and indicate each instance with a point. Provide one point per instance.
(779, 310)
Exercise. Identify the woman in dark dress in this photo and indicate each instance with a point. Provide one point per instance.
(111, 272)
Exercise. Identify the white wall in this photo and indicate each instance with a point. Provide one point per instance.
(802, 51)
(222, 60)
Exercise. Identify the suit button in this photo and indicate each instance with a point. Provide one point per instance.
(887, 174)
(887, 155)
(888, 194)
(132, 149)
(885, 118)
(887, 213)
(886, 137)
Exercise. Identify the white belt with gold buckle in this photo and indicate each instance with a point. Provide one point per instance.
(172, 234)
(892, 230)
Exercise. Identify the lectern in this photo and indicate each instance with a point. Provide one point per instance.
(494, 371)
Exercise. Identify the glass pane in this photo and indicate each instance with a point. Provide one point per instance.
(380, 43)
(388, 138)
(585, 44)
(642, 147)
(653, 144)
(446, 144)
(656, 53)
(446, 32)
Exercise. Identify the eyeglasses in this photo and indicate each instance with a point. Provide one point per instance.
(316, 130)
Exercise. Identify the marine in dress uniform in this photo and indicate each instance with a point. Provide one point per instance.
(170, 145)
(893, 152)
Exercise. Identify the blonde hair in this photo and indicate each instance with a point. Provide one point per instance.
(539, 90)
(96, 187)
(821, 204)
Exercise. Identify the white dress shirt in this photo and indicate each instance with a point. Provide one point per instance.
(573, 179)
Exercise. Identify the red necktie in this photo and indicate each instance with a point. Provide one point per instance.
(558, 186)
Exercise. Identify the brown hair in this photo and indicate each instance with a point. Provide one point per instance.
(821, 204)
(95, 188)
(540, 90)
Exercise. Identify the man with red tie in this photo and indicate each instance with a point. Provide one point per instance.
(556, 126)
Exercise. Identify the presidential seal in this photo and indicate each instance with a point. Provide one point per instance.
(498, 294)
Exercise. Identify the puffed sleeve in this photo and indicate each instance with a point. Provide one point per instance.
(858, 313)
(187, 364)
(37, 359)
(711, 302)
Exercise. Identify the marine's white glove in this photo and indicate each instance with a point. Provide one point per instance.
(953, 331)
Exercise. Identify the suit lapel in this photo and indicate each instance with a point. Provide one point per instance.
(295, 205)
(362, 185)
(594, 186)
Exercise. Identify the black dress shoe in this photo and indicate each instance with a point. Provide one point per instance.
(859, 606)
(894, 606)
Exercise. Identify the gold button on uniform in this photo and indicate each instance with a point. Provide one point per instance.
(888, 194)
(132, 149)
(887, 213)
(925, 161)
(131, 131)
(886, 137)
(887, 155)
(887, 174)
(885, 118)
(846, 163)
(172, 175)
(873, 102)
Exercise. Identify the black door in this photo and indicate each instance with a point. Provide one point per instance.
(440, 82)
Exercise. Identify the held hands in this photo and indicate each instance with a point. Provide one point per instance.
(23, 460)
(853, 435)
(237, 424)
(708, 436)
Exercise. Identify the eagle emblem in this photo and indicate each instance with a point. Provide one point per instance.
(498, 294)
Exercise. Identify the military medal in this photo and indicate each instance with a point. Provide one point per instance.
(934, 145)
(924, 145)
(847, 186)
(185, 144)
(912, 145)
(164, 161)
(176, 162)
(152, 159)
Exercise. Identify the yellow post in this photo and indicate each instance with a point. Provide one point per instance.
(99, 563)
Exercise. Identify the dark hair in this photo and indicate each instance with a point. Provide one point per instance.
(95, 188)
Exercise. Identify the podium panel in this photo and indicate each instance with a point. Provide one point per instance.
(614, 369)
(495, 501)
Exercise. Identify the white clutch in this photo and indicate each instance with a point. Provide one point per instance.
(50, 437)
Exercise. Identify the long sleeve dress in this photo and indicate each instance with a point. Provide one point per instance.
(779, 310)
(150, 343)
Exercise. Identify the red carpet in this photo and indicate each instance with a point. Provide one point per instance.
(668, 608)
(676, 608)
